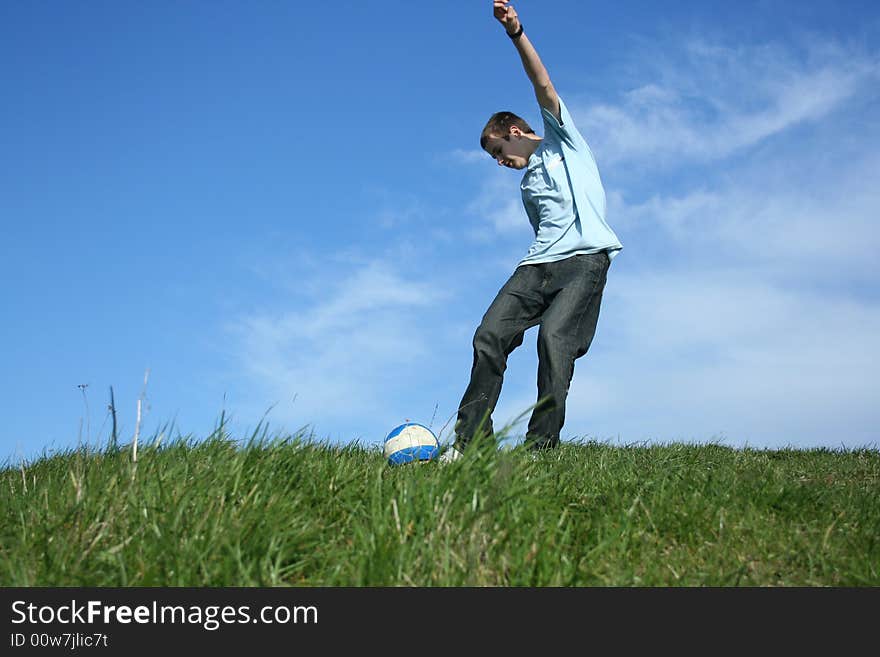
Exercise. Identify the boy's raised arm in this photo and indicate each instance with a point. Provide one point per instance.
(538, 75)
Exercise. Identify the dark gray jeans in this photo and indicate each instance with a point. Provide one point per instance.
(563, 297)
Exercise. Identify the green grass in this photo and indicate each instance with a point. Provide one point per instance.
(291, 511)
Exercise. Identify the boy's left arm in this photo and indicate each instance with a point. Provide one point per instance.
(540, 79)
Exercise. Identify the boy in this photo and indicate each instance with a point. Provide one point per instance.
(559, 283)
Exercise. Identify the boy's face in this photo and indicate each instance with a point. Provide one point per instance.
(512, 151)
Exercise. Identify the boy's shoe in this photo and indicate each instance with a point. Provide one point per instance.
(450, 455)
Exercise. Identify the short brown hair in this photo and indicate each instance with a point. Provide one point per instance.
(499, 125)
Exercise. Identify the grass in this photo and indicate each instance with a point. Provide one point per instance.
(287, 511)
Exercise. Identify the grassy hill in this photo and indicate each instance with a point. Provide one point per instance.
(290, 511)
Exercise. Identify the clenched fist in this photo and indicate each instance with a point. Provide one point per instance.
(506, 15)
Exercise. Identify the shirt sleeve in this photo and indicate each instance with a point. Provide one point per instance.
(564, 130)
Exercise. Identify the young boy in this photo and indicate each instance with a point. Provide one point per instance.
(558, 285)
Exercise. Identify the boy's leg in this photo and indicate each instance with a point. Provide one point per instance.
(567, 330)
(517, 307)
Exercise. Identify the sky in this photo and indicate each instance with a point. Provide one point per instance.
(279, 212)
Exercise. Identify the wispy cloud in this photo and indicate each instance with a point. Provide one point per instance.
(467, 156)
(727, 353)
(499, 207)
(774, 216)
(708, 101)
(343, 354)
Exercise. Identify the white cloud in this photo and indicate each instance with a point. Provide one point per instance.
(727, 353)
(498, 202)
(499, 207)
(715, 101)
(795, 222)
(345, 352)
(468, 156)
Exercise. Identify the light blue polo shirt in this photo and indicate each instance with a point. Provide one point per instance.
(563, 195)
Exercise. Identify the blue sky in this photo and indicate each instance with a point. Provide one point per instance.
(280, 209)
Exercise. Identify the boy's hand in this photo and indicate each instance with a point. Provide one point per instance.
(506, 15)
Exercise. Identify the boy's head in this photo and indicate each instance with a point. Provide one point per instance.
(509, 139)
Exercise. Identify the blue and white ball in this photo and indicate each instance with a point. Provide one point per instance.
(411, 442)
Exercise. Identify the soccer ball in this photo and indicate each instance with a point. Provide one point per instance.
(411, 442)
